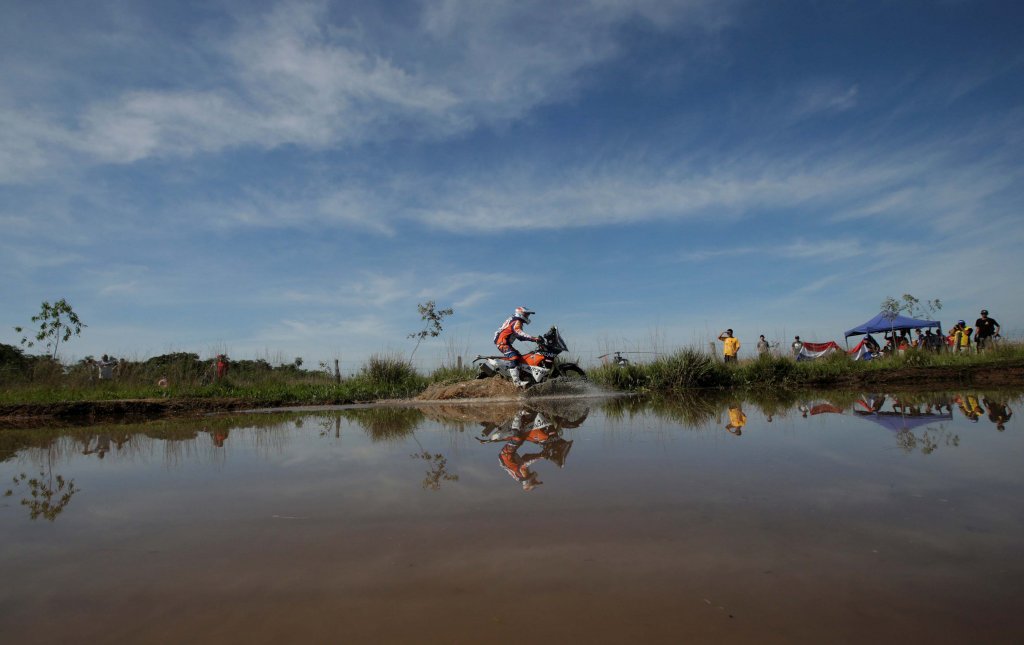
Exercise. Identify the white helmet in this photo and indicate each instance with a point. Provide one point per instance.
(524, 314)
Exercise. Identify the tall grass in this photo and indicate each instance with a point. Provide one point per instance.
(691, 368)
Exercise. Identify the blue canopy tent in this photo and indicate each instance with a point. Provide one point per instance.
(885, 321)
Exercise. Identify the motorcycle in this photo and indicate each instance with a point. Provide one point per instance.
(537, 367)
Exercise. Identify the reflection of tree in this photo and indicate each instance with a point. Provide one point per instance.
(48, 495)
(928, 442)
(386, 424)
(437, 470)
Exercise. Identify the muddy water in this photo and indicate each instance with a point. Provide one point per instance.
(844, 518)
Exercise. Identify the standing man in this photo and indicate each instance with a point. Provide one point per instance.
(796, 346)
(962, 339)
(986, 328)
(763, 347)
(730, 346)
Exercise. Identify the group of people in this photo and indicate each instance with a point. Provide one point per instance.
(961, 338)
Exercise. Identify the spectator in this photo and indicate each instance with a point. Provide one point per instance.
(763, 347)
(730, 346)
(918, 341)
(106, 368)
(962, 339)
(796, 346)
(222, 366)
(987, 328)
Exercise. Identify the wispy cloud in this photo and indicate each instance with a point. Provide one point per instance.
(294, 76)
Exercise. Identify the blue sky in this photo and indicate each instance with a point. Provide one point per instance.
(280, 179)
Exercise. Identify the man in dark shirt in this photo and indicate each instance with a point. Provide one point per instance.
(985, 328)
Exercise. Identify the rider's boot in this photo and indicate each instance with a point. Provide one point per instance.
(516, 379)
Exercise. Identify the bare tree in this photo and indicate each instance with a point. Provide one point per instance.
(432, 319)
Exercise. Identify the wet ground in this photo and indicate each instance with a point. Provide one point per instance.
(848, 517)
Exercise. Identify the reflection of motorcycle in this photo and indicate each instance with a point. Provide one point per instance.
(537, 366)
(527, 427)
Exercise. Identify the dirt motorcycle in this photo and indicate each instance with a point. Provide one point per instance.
(537, 367)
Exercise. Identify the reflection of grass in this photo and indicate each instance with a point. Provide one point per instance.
(386, 424)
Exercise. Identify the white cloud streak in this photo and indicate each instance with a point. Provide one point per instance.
(296, 76)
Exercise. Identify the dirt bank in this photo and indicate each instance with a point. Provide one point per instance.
(488, 388)
(932, 377)
(119, 410)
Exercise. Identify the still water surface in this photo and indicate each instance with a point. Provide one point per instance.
(842, 518)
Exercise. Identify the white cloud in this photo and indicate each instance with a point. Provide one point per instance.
(297, 75)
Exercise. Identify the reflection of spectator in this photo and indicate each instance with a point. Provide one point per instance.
(970, 407)
(730, 346)
(737, 419)
(998, 413)
(219, 437)
(986, 328)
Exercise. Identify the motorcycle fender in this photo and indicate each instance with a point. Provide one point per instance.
(539, 373)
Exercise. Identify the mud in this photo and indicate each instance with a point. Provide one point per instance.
(86, 412)
(488, 388)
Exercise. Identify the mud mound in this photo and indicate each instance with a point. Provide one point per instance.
(487, 388)
(479, 413)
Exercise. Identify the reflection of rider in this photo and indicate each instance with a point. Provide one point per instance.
(510, 331)
(542, 433)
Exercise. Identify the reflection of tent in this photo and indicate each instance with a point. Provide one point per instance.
(885, 321)
(896, 422)
(814, 351)
(823, 408)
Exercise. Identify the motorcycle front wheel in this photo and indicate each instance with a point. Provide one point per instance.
(571, 371)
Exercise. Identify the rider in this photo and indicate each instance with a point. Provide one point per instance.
(510, 331)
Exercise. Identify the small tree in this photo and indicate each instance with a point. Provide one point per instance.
(57, 322)
(918, 309)
(891, 307)
(432, 319)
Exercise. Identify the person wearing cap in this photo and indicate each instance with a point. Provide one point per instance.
(730, 346)
(987, 328)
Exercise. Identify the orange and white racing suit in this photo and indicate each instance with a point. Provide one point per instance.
(510, 331)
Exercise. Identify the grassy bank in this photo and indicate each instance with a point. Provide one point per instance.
(40, 382)
(690, 368)
(255, 382)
